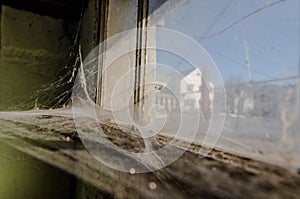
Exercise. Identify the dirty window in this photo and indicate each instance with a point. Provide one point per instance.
(160, 98)
(255, 46)
(222, 74)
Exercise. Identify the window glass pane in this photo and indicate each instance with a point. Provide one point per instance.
(255, 46)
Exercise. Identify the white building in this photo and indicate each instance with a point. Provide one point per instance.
(187, 91)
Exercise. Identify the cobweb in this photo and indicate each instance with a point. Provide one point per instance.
(57, 93)
(49, 109)
(52, 111)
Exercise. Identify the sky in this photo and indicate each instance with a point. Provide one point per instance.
(269, 38)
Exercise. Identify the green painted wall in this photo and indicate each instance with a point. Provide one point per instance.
(88, 32)
(22, 176)
(33, 51)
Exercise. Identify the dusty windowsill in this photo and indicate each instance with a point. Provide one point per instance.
(217, 175)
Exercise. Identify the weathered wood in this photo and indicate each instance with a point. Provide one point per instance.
(218, 175)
